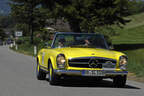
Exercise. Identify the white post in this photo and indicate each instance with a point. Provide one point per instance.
(35, 50)
(11, 45)
(14, 43)
(16, 47)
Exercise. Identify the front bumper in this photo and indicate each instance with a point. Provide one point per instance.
(83, 72)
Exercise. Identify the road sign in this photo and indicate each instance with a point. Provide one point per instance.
(18, 33)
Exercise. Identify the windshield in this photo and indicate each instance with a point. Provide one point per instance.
(79, 40)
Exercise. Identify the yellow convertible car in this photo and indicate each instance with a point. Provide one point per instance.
(82, 55)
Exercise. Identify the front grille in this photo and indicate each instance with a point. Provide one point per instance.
(92, 62)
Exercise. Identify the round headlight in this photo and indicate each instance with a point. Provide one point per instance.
(61, 61)
(123, 62)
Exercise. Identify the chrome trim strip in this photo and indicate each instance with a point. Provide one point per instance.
(116, 72)
(79, 72)
(108, 69)
(43, 67)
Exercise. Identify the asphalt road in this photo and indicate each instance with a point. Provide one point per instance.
(17, 78)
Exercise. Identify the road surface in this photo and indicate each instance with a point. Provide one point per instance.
(17, 78)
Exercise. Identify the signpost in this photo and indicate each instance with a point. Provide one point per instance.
(18, 33)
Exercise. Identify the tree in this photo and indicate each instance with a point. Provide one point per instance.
(82, 15)
(2, 34)
(85, 15)
(30, 13)
(22, 27)
(6, 21)
(136, 6)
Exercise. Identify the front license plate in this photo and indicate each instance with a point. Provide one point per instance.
(94, 73)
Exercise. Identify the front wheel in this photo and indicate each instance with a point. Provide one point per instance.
(53, 78)
(119, 81)
(41, 75)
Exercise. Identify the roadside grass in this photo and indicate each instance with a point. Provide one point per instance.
(25, 49)
(136, 61)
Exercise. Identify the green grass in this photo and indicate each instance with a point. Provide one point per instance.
(133, 32)
(25, 49)
(136, 20)
(130, 36)
(136, 61)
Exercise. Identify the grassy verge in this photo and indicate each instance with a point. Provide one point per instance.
(27, 50)
(136, 61)
(136, 64)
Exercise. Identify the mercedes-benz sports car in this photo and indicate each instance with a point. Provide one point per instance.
(82, 55)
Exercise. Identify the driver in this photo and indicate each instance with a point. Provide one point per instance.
(87, 41)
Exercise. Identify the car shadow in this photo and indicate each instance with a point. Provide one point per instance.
(89, 83)
(124, 47)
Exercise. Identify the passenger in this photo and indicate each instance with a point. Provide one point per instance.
(61, 43)
(87, 41)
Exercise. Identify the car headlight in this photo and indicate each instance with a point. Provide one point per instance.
(61, 61)
(123, 62)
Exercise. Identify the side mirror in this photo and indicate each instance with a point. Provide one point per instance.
(111, 47)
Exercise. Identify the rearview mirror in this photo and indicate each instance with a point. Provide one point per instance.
(110, 45)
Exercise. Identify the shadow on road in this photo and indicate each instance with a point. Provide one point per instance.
(124, 47)
(89, 83)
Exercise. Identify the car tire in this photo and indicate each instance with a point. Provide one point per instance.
(119, 81)
(53, 78)
(41, 75)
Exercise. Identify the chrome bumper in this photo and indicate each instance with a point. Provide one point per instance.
(82, 72)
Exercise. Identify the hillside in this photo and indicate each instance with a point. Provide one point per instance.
(131, 41)
(133, 32)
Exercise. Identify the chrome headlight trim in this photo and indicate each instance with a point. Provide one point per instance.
(123, 62)
(61, 61)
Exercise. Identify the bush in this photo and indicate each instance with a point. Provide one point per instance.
(19, 41)
(37, 41)
(22, 40)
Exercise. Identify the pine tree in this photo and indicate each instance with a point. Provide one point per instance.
(28, 12)
(85, 15)
(82, 15)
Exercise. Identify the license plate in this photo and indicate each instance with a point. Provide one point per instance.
(94, 73)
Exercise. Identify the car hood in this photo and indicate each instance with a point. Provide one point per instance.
(89, 52)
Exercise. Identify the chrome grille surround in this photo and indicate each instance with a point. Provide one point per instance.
(92, 62)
